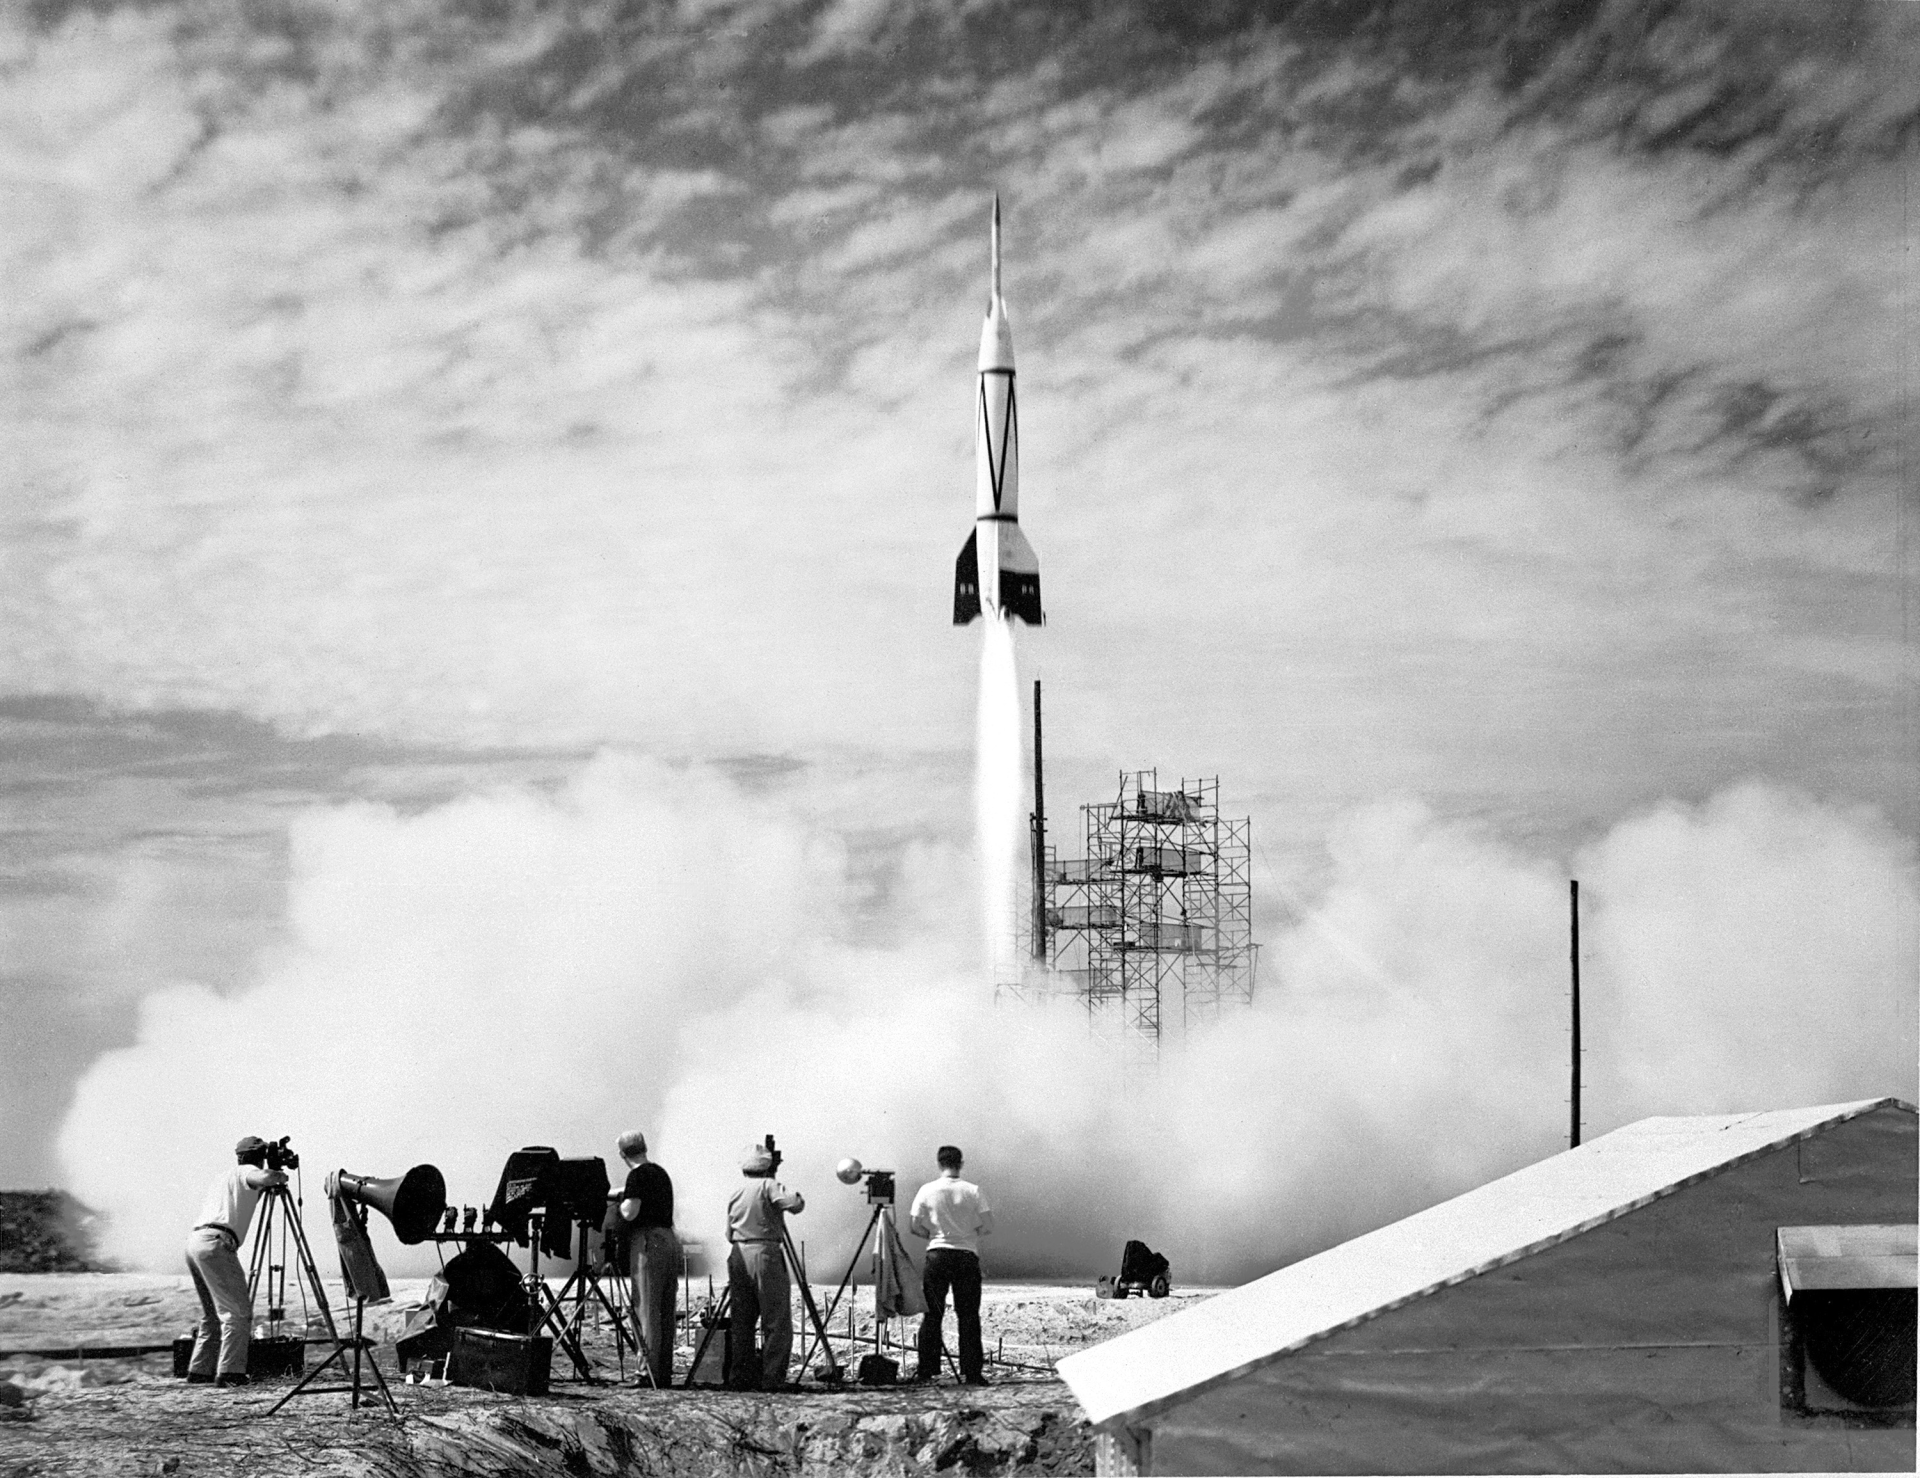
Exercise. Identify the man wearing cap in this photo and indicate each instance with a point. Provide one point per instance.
(213, 1258)
(953, 1215)
(757, 1284)
(653, 1253)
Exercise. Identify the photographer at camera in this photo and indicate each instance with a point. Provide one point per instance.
(757, 1284)
(953, 1215)
(213, 1258)
(653, 1253)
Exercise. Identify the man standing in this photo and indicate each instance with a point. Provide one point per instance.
(757, 1283)
(653, 1254)
(213, 1258)
(954, 1215)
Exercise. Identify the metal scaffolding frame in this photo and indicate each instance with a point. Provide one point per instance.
(1152, 926)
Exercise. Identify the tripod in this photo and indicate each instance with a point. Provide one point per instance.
(279, 1212)
(817, 1325)
(288, 1215)
(550, 1309)
(882, 1220)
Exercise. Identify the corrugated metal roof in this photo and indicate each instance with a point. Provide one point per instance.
(1176, 1358)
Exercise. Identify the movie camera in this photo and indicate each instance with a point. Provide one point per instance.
(280, 1155)
(879, 1182)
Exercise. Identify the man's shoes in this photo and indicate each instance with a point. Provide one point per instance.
(194, 1378)
(237, 1378)
(976, 1380)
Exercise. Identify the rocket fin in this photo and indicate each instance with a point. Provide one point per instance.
(966, 581)
(1019, 576)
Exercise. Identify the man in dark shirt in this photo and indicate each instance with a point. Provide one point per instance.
(653, 1253)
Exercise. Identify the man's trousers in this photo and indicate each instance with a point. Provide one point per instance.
(226, 1307)
(758, 1290)
(653, 1266)
(950, 1267)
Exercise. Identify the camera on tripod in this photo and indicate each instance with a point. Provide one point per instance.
(774, 1153)
(280, 1157)
(879, 1182)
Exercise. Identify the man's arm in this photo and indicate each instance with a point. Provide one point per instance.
(260, 1179)
(917, 1222)
(789, 1201)
(985, 1228)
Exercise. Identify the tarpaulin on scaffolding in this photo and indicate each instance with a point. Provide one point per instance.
(896, 1283)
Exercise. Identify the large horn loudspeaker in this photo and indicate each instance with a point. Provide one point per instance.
(412, 1202)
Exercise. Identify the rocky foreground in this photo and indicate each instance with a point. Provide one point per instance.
(125, 1414)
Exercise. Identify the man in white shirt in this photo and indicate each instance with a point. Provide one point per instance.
(213, 1257)
(953, 1215)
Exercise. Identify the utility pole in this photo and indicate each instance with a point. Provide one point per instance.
(1573, 1129)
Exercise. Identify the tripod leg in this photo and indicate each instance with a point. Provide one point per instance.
(715, 1314)
(621, 1335)
(339, 1353)
(548, 1314)
(311, 1273)
(852, 1266)
(373, 1365)
(806, 1299)
(260, 1235)
(359, 1344)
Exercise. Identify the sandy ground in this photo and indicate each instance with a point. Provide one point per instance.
(127, 1415)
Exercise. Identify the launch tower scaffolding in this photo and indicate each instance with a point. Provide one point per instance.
(1153, 926)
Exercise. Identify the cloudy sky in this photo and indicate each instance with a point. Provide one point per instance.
(1455, 426)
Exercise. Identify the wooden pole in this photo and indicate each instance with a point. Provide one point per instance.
(1573, 1128)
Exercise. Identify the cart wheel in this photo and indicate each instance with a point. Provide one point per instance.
(1159, 1287)
(1120, 1290)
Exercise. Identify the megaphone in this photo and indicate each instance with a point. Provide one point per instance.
(412, 1202)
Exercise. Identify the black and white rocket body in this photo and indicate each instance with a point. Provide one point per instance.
(998, 573)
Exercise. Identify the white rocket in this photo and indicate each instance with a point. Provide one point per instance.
(997, 571)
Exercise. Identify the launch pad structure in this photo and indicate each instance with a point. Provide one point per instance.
(1150, 929)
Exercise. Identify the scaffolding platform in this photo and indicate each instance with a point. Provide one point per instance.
(1151, 928)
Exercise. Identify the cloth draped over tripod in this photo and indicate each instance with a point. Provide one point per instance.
(896, 1286)
(360, 1270)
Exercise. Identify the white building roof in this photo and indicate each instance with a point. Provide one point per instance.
(1184, 1354)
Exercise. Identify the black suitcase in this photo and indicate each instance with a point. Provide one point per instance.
(517, 1364)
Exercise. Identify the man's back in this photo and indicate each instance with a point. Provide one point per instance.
(231, 1199)
(758, 1210)
(951, 1212)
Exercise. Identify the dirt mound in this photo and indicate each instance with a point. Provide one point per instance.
(130, 1417)
(110, 1416)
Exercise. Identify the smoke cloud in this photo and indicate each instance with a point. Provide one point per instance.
(653, 947)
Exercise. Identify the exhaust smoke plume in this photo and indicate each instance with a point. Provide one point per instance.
(653, 948)
(997, 792)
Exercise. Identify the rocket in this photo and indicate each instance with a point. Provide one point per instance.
(997, 571)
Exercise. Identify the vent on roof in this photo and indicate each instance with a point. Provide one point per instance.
(1848, 1337)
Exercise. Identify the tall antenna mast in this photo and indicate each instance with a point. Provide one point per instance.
(1573, 1128)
